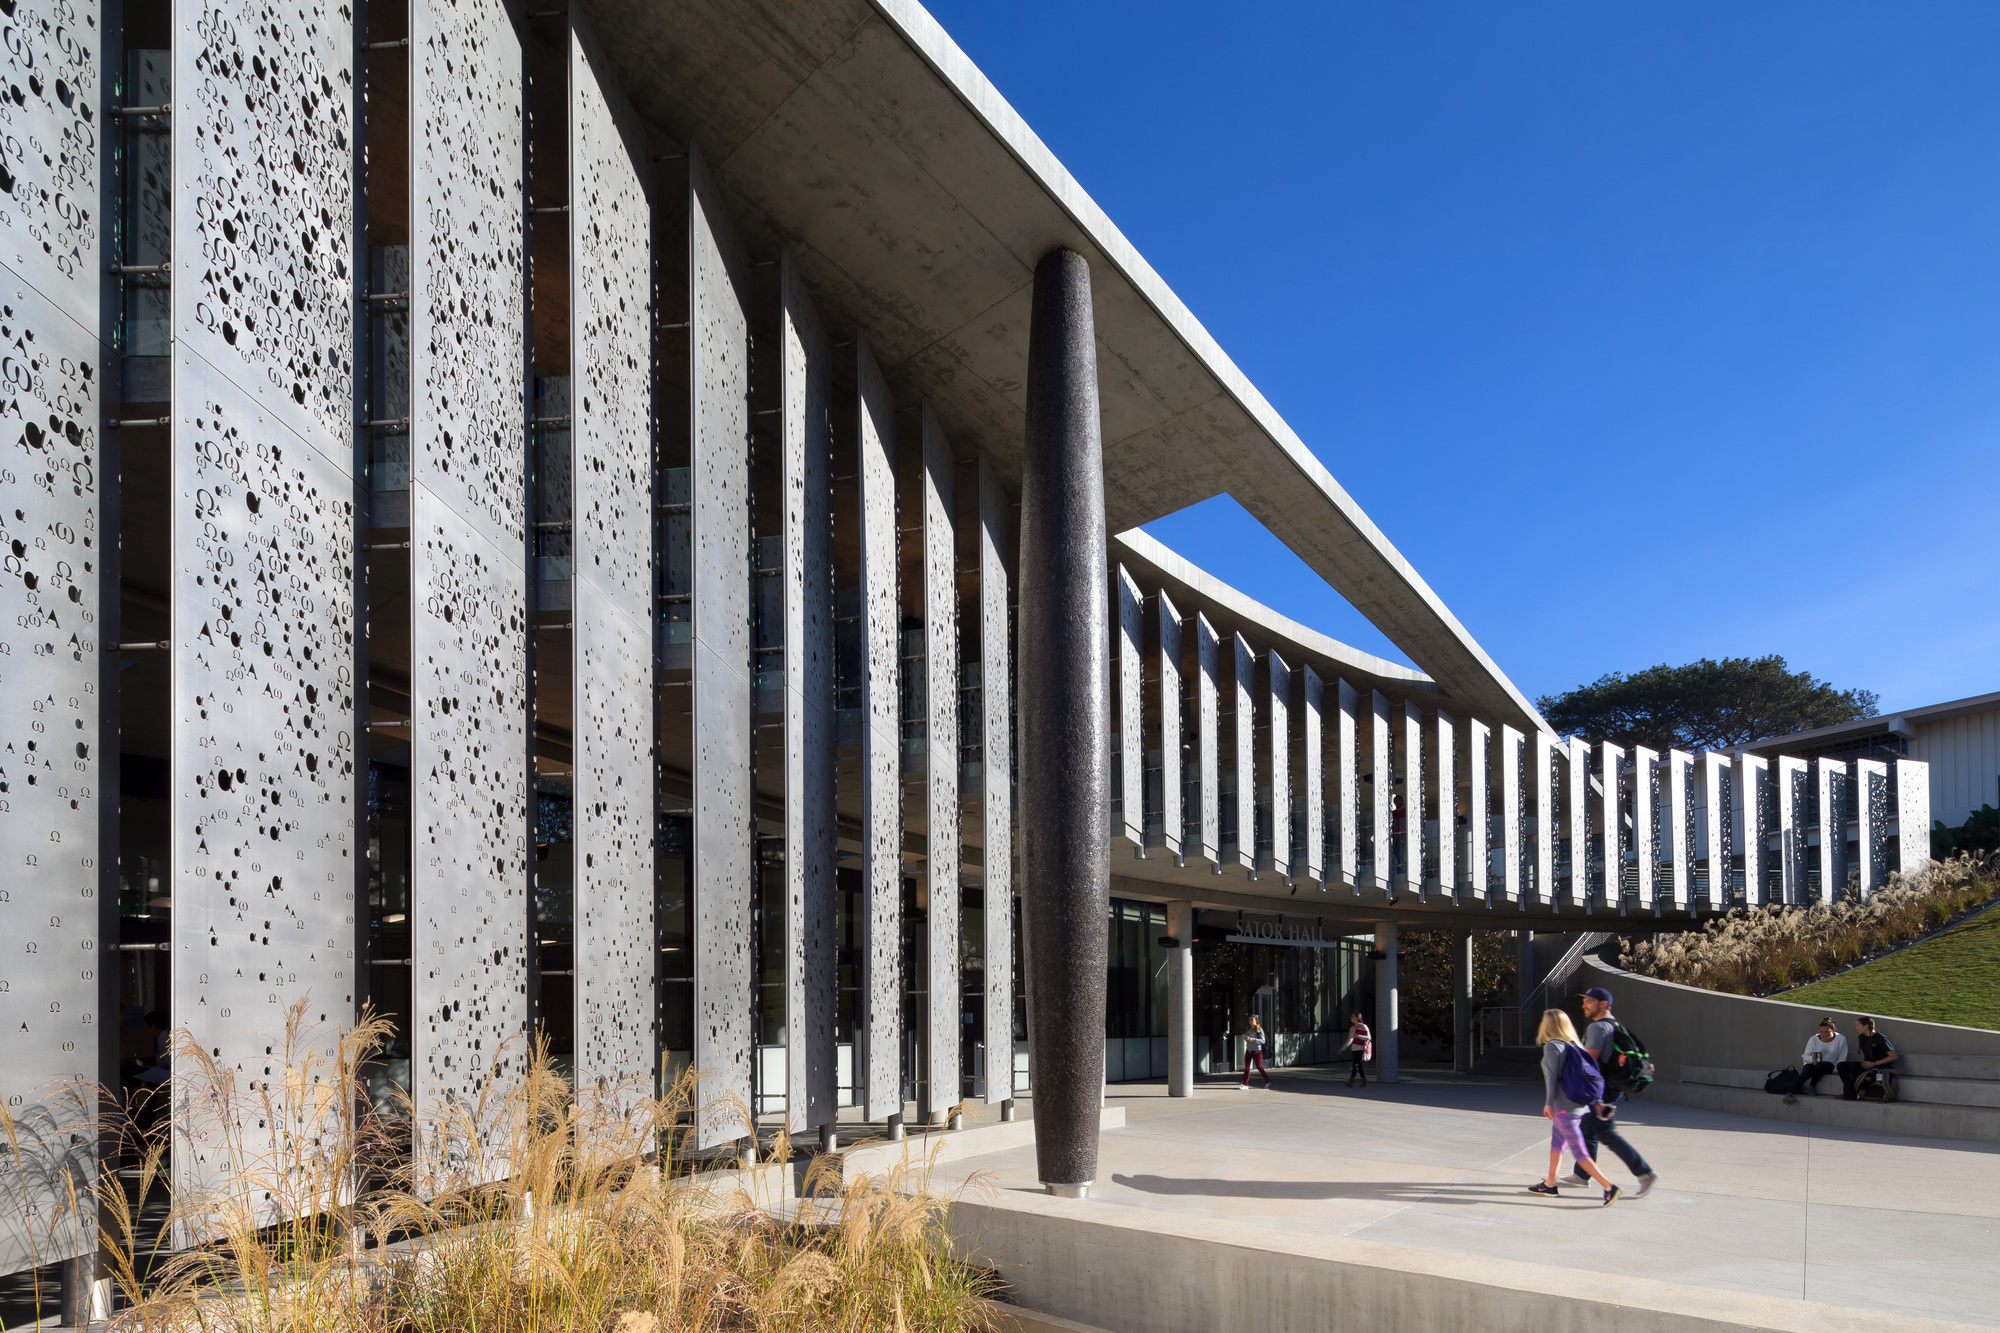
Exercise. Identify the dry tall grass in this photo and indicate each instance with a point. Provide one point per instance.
(539, 1210)
(1757, 951)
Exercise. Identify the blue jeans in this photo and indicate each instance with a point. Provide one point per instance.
(1597, 1131)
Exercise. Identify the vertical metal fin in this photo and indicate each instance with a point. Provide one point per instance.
(1680, 793)
(811, 748)
(1243, 752)
(1513, 813)
(1913, 815)
(1167, 707)
(1479, 810)
(1834, 789)
(1413, 799)
(1347, 805)
(724, 863)
(1382, 760)
(1576, 801)
(1278, 765)
(611, 435)
(1756, 792)
(1793, 793)
(881, 776)
(1871, 800)
(1444, 777)
(1311, 728)
(1205, 661)
(941, 820)
(1612, 823)
(996, 678)
(1128, 632)
(1646, 822)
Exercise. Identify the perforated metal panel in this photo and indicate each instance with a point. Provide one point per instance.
(719, 483)
(51, 234)
(811, 736)
(1128, 631)
(1167, 707)
(1205, 820)
(616, 962)
(941, 821)
(1718, 832)
(1757, 794)
(1243, 751)
(881, 781)
(1646, 804)
(1913, 812)
(1444, 777)
(1611, 823)
(1576, 802)
(52, 752)
(262, 807)
(1347, 771)
(468, 639)
(1513, 812)
(1794, 792)
(1835, 790)
(996, 677)
(263, 209)
(1540, 752)
(1871, 800)
(1679, 765)
(1382, 792)
(1479, 810)
(1276, 778)
(611, 470)
(1412, 747)
(468, 811)
(1311, 729)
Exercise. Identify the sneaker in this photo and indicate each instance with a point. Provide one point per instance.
(1790, 1100)
(1577, 1178)
(1243, 1087)
(1610, 1195)
(1539, 1188)
(1646, 1183)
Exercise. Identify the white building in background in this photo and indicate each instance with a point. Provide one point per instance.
(1959, 740)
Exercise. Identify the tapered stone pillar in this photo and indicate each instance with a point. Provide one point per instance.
(1461, 1001)
(1064, 688)
(1180, 1000)
(1388, 1002)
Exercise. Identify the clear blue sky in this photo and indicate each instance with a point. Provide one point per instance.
(1647, 332)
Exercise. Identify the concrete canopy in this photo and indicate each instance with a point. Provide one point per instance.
(916, 203)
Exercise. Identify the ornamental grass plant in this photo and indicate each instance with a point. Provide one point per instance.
(541, 1209)
(1764, 950)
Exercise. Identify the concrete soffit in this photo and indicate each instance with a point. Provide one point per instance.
(915, 202)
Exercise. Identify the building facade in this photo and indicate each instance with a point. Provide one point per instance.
(513, 520)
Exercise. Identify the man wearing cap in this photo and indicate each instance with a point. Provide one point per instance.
(1598, 1125)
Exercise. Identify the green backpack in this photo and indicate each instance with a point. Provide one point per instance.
(1626, 1064)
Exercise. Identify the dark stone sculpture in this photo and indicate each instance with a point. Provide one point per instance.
(1064, 690)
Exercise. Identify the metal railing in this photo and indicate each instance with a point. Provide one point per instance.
(1514, 1024)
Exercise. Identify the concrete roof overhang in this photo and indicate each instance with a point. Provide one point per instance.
(916, 202)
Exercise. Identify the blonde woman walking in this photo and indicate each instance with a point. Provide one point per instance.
(1571, 1086)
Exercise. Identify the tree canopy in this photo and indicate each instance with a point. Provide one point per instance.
(1705, 705)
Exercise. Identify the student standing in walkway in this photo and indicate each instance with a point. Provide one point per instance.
(1570, 1084)
(1603, 1128)
(1361, 1044)
(1253, 1053)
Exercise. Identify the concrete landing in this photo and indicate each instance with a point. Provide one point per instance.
(1797, 1212)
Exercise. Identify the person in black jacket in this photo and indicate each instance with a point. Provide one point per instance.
(1875, 1050)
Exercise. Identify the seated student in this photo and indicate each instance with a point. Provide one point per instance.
(1825, 1050)
(1876, 1052)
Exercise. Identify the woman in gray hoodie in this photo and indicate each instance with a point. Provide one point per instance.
(1557, 1036)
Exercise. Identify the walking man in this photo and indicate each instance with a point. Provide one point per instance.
(1598, 1123)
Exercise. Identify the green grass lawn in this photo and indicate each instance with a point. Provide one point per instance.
(1952, 978)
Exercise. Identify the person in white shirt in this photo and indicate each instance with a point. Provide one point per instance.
(1824, 1052)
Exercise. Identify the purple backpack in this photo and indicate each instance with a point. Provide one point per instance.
(1582, 1081)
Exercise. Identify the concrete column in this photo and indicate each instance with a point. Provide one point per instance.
(1461, 1001)
(1064, 689)
(1387, 1017)
(1180, 1001)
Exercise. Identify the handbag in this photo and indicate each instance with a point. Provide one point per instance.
(1782, 1082)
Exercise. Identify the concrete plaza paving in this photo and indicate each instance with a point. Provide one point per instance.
(1442, 1162)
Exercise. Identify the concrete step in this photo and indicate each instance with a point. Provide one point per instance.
(1911, 1088)
(1905, 1117)
(1510, 1060)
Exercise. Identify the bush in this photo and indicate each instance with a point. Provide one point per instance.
(543, 1208)
(1757, 951)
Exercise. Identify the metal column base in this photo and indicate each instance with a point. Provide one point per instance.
(1069, 1191)
(1007, 1111)
(829, 1138)
(895, 1133)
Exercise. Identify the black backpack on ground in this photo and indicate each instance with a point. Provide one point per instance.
(1783, 1082)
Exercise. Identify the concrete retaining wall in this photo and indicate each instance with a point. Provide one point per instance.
(1684, 1025)
(1129, 1270)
